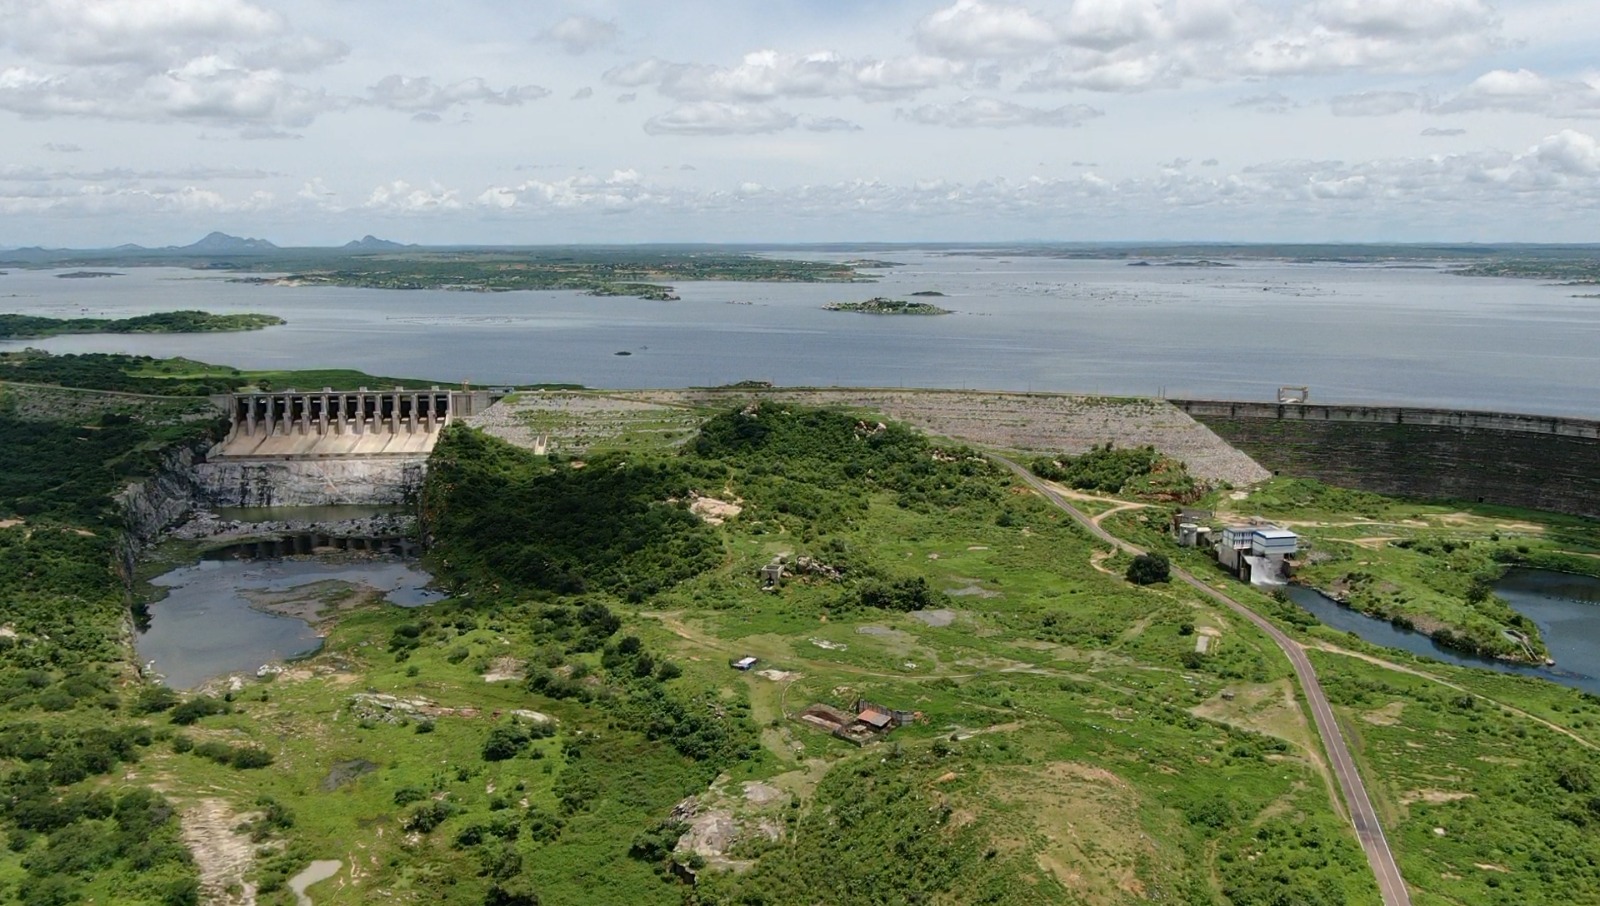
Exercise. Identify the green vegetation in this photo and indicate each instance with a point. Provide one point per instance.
(27, 327)
(881, 306)
(1135, 472)
(1426, 566)
(172, 377)
(615, 272)
(1572, 271)
(538, 737)
(1149, 569)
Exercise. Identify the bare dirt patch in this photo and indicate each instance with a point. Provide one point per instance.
(714, 511)
(1434, 797)
(942, 617)
(504, 669)
(1386, 716)
(11, 523)
(222, 856)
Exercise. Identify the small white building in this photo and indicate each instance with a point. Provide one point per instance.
(744, 663)
(1256, 553)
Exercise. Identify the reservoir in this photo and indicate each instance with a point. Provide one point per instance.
(1565, 607)
(1356, 333)
(207, 625)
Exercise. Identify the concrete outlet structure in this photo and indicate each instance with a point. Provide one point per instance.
(296, 448)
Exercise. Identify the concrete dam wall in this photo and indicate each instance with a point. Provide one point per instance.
(1540, 462)
(296, 448)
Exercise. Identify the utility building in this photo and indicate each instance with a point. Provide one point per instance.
(1257, 553)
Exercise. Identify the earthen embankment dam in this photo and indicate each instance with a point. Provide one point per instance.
(1534, 461)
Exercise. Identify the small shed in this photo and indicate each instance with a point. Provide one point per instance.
(772, 574)
(744, 663)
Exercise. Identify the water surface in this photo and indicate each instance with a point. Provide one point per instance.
(1563, 606)
(205, 627)
(1354, 333)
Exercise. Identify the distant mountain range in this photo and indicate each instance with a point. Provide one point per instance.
(371, 243)
(213, 243)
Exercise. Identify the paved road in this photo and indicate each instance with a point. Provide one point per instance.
(1359, 805)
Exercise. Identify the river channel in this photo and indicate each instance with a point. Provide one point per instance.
(1565, 607)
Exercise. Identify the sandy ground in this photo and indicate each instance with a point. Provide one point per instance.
(222, 856)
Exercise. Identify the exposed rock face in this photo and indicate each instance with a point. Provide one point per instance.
(309, 482)
(165, 498)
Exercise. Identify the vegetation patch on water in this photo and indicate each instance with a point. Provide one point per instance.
(173, 377)
(639, 273)
(28, 327)
(881, 306)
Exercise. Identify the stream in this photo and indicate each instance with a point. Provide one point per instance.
(1562, 605)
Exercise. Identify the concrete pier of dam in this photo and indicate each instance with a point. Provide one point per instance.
(291, 424)
(327, 447)
(1533, 461)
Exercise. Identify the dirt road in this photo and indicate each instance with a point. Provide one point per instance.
(1368, 831)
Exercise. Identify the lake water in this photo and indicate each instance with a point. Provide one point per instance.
(1354, 333)
(205, 627)
(1565, 607)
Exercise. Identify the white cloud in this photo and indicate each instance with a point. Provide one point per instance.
(718, 118)
(62, 147)
(583, 94)
(150, 34)
(1524, 91)
(409, 94)
(400, 196)
(1437, 132)
(1271, 102)
(973, 112)
(768, 75)
(971, 29)
(1377, 103)
(829, 124)
(581, 34)
(1568, 152)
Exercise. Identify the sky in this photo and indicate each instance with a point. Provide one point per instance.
(313, 122)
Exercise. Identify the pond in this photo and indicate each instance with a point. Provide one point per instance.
(1562, 605)
(209, 623)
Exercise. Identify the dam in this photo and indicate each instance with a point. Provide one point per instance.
(328, 447)
(1535, 461)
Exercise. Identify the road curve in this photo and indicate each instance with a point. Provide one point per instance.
(1390, 884)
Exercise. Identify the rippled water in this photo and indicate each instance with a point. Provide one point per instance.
(1354, 333)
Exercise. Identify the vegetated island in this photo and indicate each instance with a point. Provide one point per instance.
(1567, 271)
(881, 306)
(643, 275)
(87, 275)
(31, 327)
(929, 293)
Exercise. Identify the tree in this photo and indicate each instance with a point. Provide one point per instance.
(1148, 569)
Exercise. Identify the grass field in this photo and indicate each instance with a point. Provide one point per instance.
(1070, 744)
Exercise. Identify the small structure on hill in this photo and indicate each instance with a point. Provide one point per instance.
(744, 663)
(1189, 528)
(865, 722)
(1257, 553)
(772, 574)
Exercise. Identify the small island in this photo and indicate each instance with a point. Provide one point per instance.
(32, 327)
(882, 306)
(928, 292)
(87, 275)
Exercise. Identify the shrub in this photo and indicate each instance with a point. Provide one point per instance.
(1148, 569)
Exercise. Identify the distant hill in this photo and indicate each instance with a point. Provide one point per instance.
(370, 243)
(215, 242)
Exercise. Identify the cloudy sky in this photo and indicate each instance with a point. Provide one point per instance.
(497, 121)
